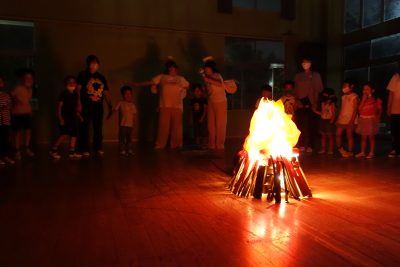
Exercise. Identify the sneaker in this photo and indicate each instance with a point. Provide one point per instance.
(309, 150)
(74, 155)
(85, 154)
(350, 154)
(123, 153)
(393, 154)
(55, 155)
(370, 155)
(8, 160)
(360, 155)
(322, 151)
(18, 156)
(100, 152)
(2, 163)
(29, 153)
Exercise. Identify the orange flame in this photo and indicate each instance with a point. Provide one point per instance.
(272, 132)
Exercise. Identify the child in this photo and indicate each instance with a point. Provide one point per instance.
(199, 114)
(346, 119)
(127, 114)
(68, 118)
(21, 112)
(266, 94)
(370, 110)
(327, 119)
(5, 120)
(288, 99)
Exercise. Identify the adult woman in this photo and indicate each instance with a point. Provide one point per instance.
(172, 89)
(217, 104)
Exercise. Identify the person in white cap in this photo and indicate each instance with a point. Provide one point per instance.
(217, 104)
(172, 89)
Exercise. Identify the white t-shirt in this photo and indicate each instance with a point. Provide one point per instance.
(394, 88)
(216, 94)
(347, 109)
(172, 90)
(127, 112)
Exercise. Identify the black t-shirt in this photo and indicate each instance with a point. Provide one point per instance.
(70, 103)
(198, 105)
(93, 86)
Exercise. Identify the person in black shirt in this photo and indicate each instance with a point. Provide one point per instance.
(68, 118)
(92, 89)
(199, 114)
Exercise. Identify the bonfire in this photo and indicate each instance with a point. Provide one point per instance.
(268, 163)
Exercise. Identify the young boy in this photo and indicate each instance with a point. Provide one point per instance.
(5, 121)
(266, 94)
(327, 119)
(346, 119)
(21, 111)
(288, 99)
(127, 117)
(68, 118)
(199, 114)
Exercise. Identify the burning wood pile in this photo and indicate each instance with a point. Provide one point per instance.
(268, 163)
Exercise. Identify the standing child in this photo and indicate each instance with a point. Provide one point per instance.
(327, 114)
(288, 99)
(68, 118)
(199, 114)
(346, 119)
(21, 112)
(370, 110)
(5, 121)
(127, 116)
(266, 94)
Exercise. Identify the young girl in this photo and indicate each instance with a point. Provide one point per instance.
(327, 115)
(370, 110)
(346, 118)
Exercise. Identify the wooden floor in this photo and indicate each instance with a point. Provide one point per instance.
(164, 208)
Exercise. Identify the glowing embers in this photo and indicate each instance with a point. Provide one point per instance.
(267, 162)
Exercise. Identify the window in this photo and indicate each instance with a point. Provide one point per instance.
(386, 46)
(352, 15)
(270, 5)
(357, 53)
(372, 12)
(252, 63)
(380, 75)
(392, 9)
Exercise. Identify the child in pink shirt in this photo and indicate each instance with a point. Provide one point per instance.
(370, 110)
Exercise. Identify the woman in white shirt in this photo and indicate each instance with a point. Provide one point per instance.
(217, 104)
(172, 89)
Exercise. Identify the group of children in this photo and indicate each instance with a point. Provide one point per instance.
(16, 118)
(363, 117)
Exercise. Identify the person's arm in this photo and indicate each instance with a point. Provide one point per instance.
(390, 103)
(212, 80)
(203, 117)
(333, 111)
(355, 111)
(59, 113)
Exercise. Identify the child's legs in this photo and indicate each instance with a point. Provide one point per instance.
(128, 138)
(339, 132)
(121, 138)
(3, 141)
(323, 140)
(98, 128)
(349, 135)
(330, 142)
(211, 125)
(176, 128)
(83, 140)
(72, 143)
(371, 139)
(363, 143)
(164, 122)
(27, 134)
(59, 140)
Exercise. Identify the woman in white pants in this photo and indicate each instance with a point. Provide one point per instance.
(217, 104)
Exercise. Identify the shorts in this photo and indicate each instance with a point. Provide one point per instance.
(70, 128)
(345, 126)
(326, 127)
(20, 122)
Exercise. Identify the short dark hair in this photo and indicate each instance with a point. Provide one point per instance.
(266, 87)
(23, 71)
(125, 88)
(350, 82)
(195, 86)
(211, 64)
(288, 82)
(68, 78)
(91, 59)
(306, 58)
